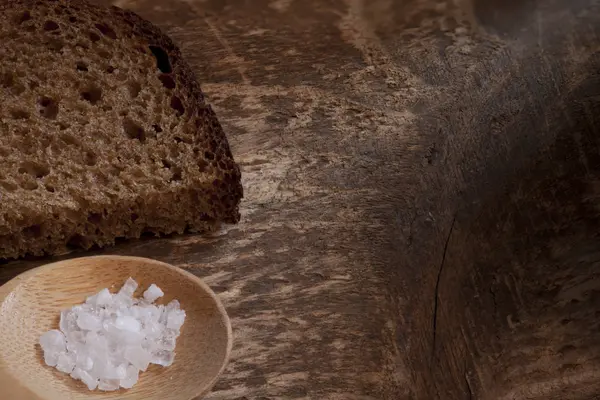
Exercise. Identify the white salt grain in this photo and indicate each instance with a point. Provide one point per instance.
(103, 298)
(127, 323)
(128, 288)
(89, 322)
(109, 339)
(53, 341)
(131, 377)
(175, 319)
(109, 384)
(65, 363)
(138, 357)
(153, 293)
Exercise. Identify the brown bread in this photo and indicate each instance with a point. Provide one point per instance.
(104, 132)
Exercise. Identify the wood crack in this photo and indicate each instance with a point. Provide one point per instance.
(437, 289)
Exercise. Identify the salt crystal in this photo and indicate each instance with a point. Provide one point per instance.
(50, 358)
(104, 298)
(138, 357)
(127, 338)
(173, 305)
(128, 324)
(153, 293)
(96, 342)
(84, 362)
(131, 377)
(54, 341)
(175, 319)
(89, 322)
(129, 288)
(109, 339)
(156, 312)
(163, 357)
(65, 363)
(117, 373)
(109, 384)
(153, 329)
(75, 338)
(166, 343)
(91, 299)
(68, 321)
(85, 377)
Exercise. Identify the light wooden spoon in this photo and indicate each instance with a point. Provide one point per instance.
(30, 305)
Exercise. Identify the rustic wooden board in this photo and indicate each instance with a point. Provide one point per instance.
(422, 182)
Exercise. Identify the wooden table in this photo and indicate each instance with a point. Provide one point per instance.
(422, 183)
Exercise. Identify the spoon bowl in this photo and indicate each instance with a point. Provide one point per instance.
(31, 303)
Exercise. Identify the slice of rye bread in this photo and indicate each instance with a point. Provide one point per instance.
(104, 132)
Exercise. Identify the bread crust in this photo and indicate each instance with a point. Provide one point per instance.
(104, 132)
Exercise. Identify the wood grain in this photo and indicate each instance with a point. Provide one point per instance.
(366, 130)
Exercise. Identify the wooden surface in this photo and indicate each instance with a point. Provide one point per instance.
(422, 195)
(31, 305)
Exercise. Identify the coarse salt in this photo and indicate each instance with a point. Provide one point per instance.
(109, 339)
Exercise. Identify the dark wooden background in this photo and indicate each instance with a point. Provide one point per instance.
(422, 195)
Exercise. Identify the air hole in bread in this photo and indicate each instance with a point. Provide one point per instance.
(94, 37)
(106, 30)
(29, 185)
(50, 26)
(133, 130)
(81, 66)
(91, 158)
(110, 69)
(162, 59)
(34, 169)
(176, 177)
(33, 85)
(18, 88)
(55, 44)
(19, 114)
(95, 218)
(49, 188)
(166, 163)
(93, 94)
(70, 140)
(149, 233)
(134, 88)
(177, 105)
(8, 186)
(167, 81)
(72, 19)
(63, 126)
(78, 241)
(33, 231)
(157, 128)
(22, 17)
(105, 54)
(209, 155)
(48, 107)
(6, 79)
(202, 165)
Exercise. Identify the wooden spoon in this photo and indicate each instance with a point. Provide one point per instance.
(30, 305)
